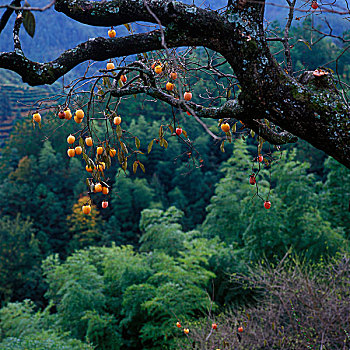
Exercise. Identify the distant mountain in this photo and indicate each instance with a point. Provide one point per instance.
(56, 32)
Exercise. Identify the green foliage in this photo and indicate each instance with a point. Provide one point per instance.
(43, 341)
(294, 220)
(19, 259)
(223, 218)
(335, 196)
(76, 289)
(162, 230)
(23, 328)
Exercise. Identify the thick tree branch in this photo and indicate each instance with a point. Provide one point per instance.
(98, 49)
(229, 110)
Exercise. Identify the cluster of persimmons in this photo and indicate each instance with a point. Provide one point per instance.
(104, 151)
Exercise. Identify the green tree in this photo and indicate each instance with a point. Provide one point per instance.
(223, 213)
(129, 198)
(20, 258)
(335, 196)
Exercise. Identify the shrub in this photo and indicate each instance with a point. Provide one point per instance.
(297, 308)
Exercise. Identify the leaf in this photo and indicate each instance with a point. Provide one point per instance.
(137, 143)
(161, 131)
(185, 133)
(171, 129)
(306, 43)
(124, 148)
(125, 164)
(29, 23)
(134, 166)
(229, 93)
(120, 83)
(120, 157)
(222, 148)
(142, 167)
(127, 26)
(234, 127)
(165, 143)
(108, 162)
(106, 82)
(119, 131)
(252, 133)
(149, 148)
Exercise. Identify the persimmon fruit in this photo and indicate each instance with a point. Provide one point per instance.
(71, 139)
(37, 117)
(117, 120)
(158, 69)
(86, 209)
(188, 95)
(169, 86)
(71, 152)
(225, 127)
(88, 141)
(112, 33)
(78, 150)
(267, 204)
(68, 114)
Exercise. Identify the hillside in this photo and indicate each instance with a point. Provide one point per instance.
(16, 99)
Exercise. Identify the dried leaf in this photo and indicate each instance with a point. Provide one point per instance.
(184, 133)
(119, 131)
(106, 82)
(125, 164)
(142, 167)
(150, 145)
(137, 143)
(127, 26)
(306, 43)
(134, 166)
(222, 146)
(124, 148)
(165, 143)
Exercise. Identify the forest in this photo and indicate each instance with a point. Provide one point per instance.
(183, 256)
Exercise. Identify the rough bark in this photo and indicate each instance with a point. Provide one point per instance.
(309, 109)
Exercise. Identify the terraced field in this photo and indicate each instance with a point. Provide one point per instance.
(16, 99)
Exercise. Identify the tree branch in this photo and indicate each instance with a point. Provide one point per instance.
(98, 49)
(229, 110)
